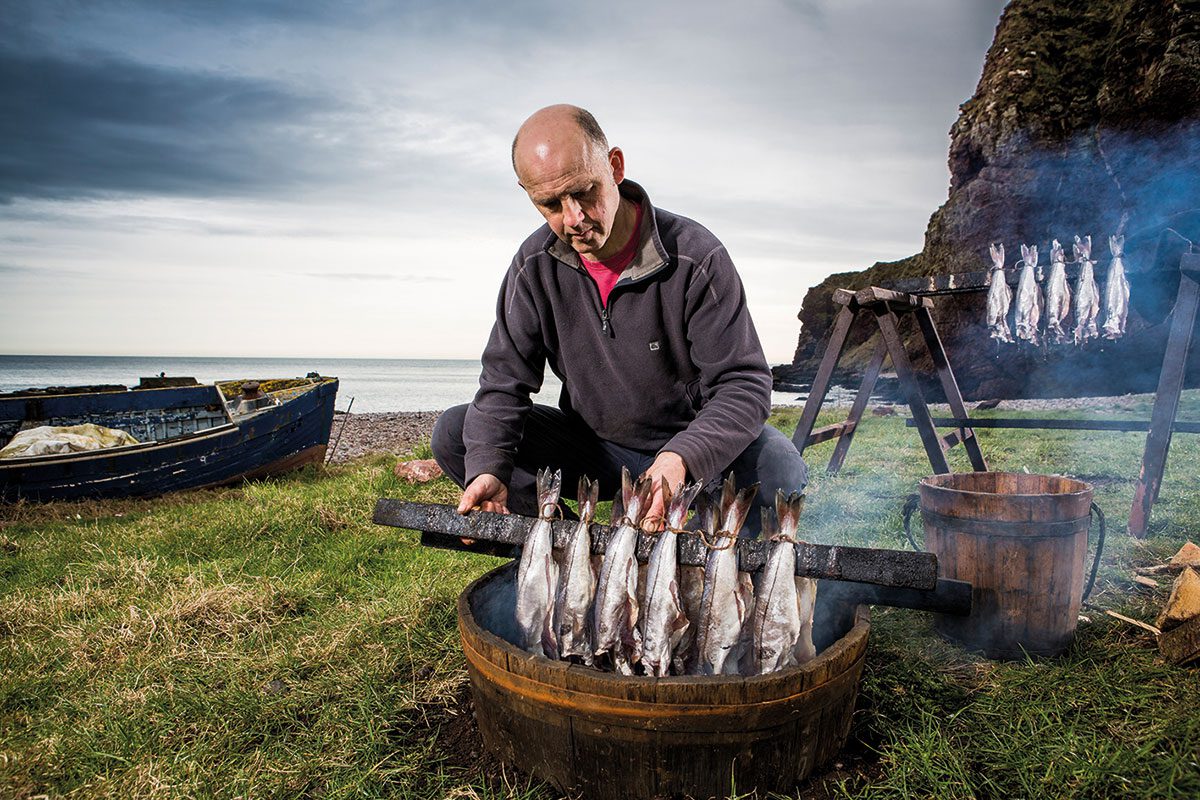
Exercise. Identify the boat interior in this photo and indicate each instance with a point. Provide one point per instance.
(151, 414)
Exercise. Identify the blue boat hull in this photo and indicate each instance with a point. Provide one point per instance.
(272, 440)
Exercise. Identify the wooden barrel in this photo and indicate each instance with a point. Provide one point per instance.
(1021, 541)
(610, 736)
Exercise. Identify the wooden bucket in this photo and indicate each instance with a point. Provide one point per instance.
(612, 736)
(1021, 541)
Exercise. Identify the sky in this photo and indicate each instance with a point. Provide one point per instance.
(325, 179)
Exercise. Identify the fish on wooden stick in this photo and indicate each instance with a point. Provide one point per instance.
(728, 594)
(663, 621)
(1029, 297)
(999, 298)
(616, 606)
(1087, 296)
(1116, 291)
(777, 625)
(1058, 296)
(577, 582)
(537, 573)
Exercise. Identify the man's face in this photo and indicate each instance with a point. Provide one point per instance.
(575, 188)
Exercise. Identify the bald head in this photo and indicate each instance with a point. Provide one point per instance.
(557, 130)
(565, 165)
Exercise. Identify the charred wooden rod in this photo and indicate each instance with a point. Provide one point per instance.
(898, 568)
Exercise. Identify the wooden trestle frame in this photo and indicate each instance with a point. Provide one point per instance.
(885, 304)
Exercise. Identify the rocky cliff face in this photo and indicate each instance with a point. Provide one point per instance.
(1087, 113)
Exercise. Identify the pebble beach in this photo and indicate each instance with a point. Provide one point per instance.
(399, 432)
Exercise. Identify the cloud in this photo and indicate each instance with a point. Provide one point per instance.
(103, 125)
(376, 276)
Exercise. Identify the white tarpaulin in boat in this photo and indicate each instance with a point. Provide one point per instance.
(48, 440)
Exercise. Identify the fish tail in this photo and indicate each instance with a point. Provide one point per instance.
(589, 495)
(642, 489)
(738, 506)
(706, 513)
(549, 485)
(627, 490)
(682, 500)
(728, 494)
(789, 508)
(770, 523)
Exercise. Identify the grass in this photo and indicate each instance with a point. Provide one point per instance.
(269, 641)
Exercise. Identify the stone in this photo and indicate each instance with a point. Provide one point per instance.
(421, 470)
(1188, 556)
(1184, 602)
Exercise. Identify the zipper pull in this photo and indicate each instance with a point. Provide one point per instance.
(604, 320)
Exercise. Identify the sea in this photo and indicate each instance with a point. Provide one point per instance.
(374, 384)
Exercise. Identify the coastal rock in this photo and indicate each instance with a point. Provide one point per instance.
(419, 471)
(1085, 115)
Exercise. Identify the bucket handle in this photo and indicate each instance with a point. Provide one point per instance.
(910, 505)
(1095, 509)
(914, 500)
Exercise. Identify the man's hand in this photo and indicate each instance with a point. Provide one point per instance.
(670, 466)
(486, 493)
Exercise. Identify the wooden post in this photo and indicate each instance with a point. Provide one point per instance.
(1166, 400)
(870, 378)
(950, 387)
(820, 385)
(912, 389)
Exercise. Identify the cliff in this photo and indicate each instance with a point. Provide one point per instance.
(1086, 119)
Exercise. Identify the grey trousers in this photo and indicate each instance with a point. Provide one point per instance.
(552, 439)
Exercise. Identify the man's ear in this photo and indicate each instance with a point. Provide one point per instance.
(616, 160)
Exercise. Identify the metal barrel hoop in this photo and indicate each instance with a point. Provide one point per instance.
(1095, 509)
(910, 505)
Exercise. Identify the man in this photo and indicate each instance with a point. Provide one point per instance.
(642, 315)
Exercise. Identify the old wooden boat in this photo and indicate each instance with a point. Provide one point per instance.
(189, 436)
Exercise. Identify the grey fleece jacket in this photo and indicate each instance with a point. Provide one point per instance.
(673, 363)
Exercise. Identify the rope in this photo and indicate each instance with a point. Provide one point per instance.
(550, 517)
(719, 535)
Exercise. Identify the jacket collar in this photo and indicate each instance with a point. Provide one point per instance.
(650, 257)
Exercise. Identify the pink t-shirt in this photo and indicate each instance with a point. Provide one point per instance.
(607, 272)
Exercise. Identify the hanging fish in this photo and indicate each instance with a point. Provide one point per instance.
(1116, 292)
(577, 582)
(691, 585)
(615, 612)
(777, 624)
(537, 574)
(1087, 296)
(999, 298)
(728, 595)
(663, 622)
(1058, 295)
(1029, 297)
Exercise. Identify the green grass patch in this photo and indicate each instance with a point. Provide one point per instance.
(269, 641)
